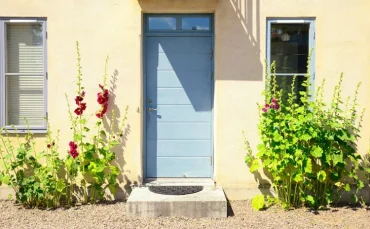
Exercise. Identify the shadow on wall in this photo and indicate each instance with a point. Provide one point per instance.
(237, 35)
(237, 41)
(114, 127)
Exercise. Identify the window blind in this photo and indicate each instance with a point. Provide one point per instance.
(24, 76)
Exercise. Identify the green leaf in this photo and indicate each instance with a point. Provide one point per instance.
(321, 175)
(60, 186)
(360, 184)
(255, 166)
(347, 187)
(258, 202)
(316, 151)
(6, 179)
(78, 137)
(86, 129)
(308, 167)
(102, 132)
(82, 121)
(277, 136)
(306, 137)
(311, 201)
(248, 159)
(337, 158)
(298, 153)
(114, 170)
(298, 178)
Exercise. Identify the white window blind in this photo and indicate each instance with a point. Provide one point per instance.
(24, 74)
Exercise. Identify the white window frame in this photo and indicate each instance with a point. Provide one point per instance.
(3, 22)
(311, 46)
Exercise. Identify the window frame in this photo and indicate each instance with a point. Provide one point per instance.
(311, 46)
(178, 19)
(20, 129)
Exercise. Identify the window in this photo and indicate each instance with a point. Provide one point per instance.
(23, 74)
(288, 45)
(162, 23)
(178, 23)
(195, 23)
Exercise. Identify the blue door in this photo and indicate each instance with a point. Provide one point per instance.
(179, 106)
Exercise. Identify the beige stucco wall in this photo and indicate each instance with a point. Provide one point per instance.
(114, 27)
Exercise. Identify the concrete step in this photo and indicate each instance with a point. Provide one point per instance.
(210, 202)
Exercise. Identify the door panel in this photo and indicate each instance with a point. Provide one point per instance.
(179, 90)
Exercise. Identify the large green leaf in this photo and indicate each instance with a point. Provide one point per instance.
(6, 179)
(61, 185)
(337, 158)
(114, 169)
(316, 152)
(298, 178)
(321, 175)
(310, 200)
(255, 166)
(258, 202)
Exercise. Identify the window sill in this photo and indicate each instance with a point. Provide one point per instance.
(23, 131)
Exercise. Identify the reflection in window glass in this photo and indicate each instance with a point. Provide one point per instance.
(289, 47)
(195, 23)
(162, 23)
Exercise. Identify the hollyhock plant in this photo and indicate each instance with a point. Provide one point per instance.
(92, 157)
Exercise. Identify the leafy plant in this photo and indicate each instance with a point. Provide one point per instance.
(91, 158)
(308, 146)
(37, 177)
(33, 175)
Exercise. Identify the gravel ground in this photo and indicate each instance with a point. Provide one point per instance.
(241, 215)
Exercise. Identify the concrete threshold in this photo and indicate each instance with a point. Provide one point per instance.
(210, 202)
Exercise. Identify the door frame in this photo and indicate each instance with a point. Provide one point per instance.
(175, 33)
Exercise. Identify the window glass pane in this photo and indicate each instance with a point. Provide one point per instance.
(24, 48)
(284, 83)
(290, 47)
(162, 23)
(196, 23)
(24, 99)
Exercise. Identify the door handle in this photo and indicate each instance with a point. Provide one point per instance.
(151, 109)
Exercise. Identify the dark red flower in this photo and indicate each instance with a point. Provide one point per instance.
(273, 100)
(83, 106)
(71, 144)
(73, 149)
(73, 153)
(78, 99)
(105, 108)
(49, 146)
(83, 94)
(78, 111)
(264, 109)
(102, 99)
